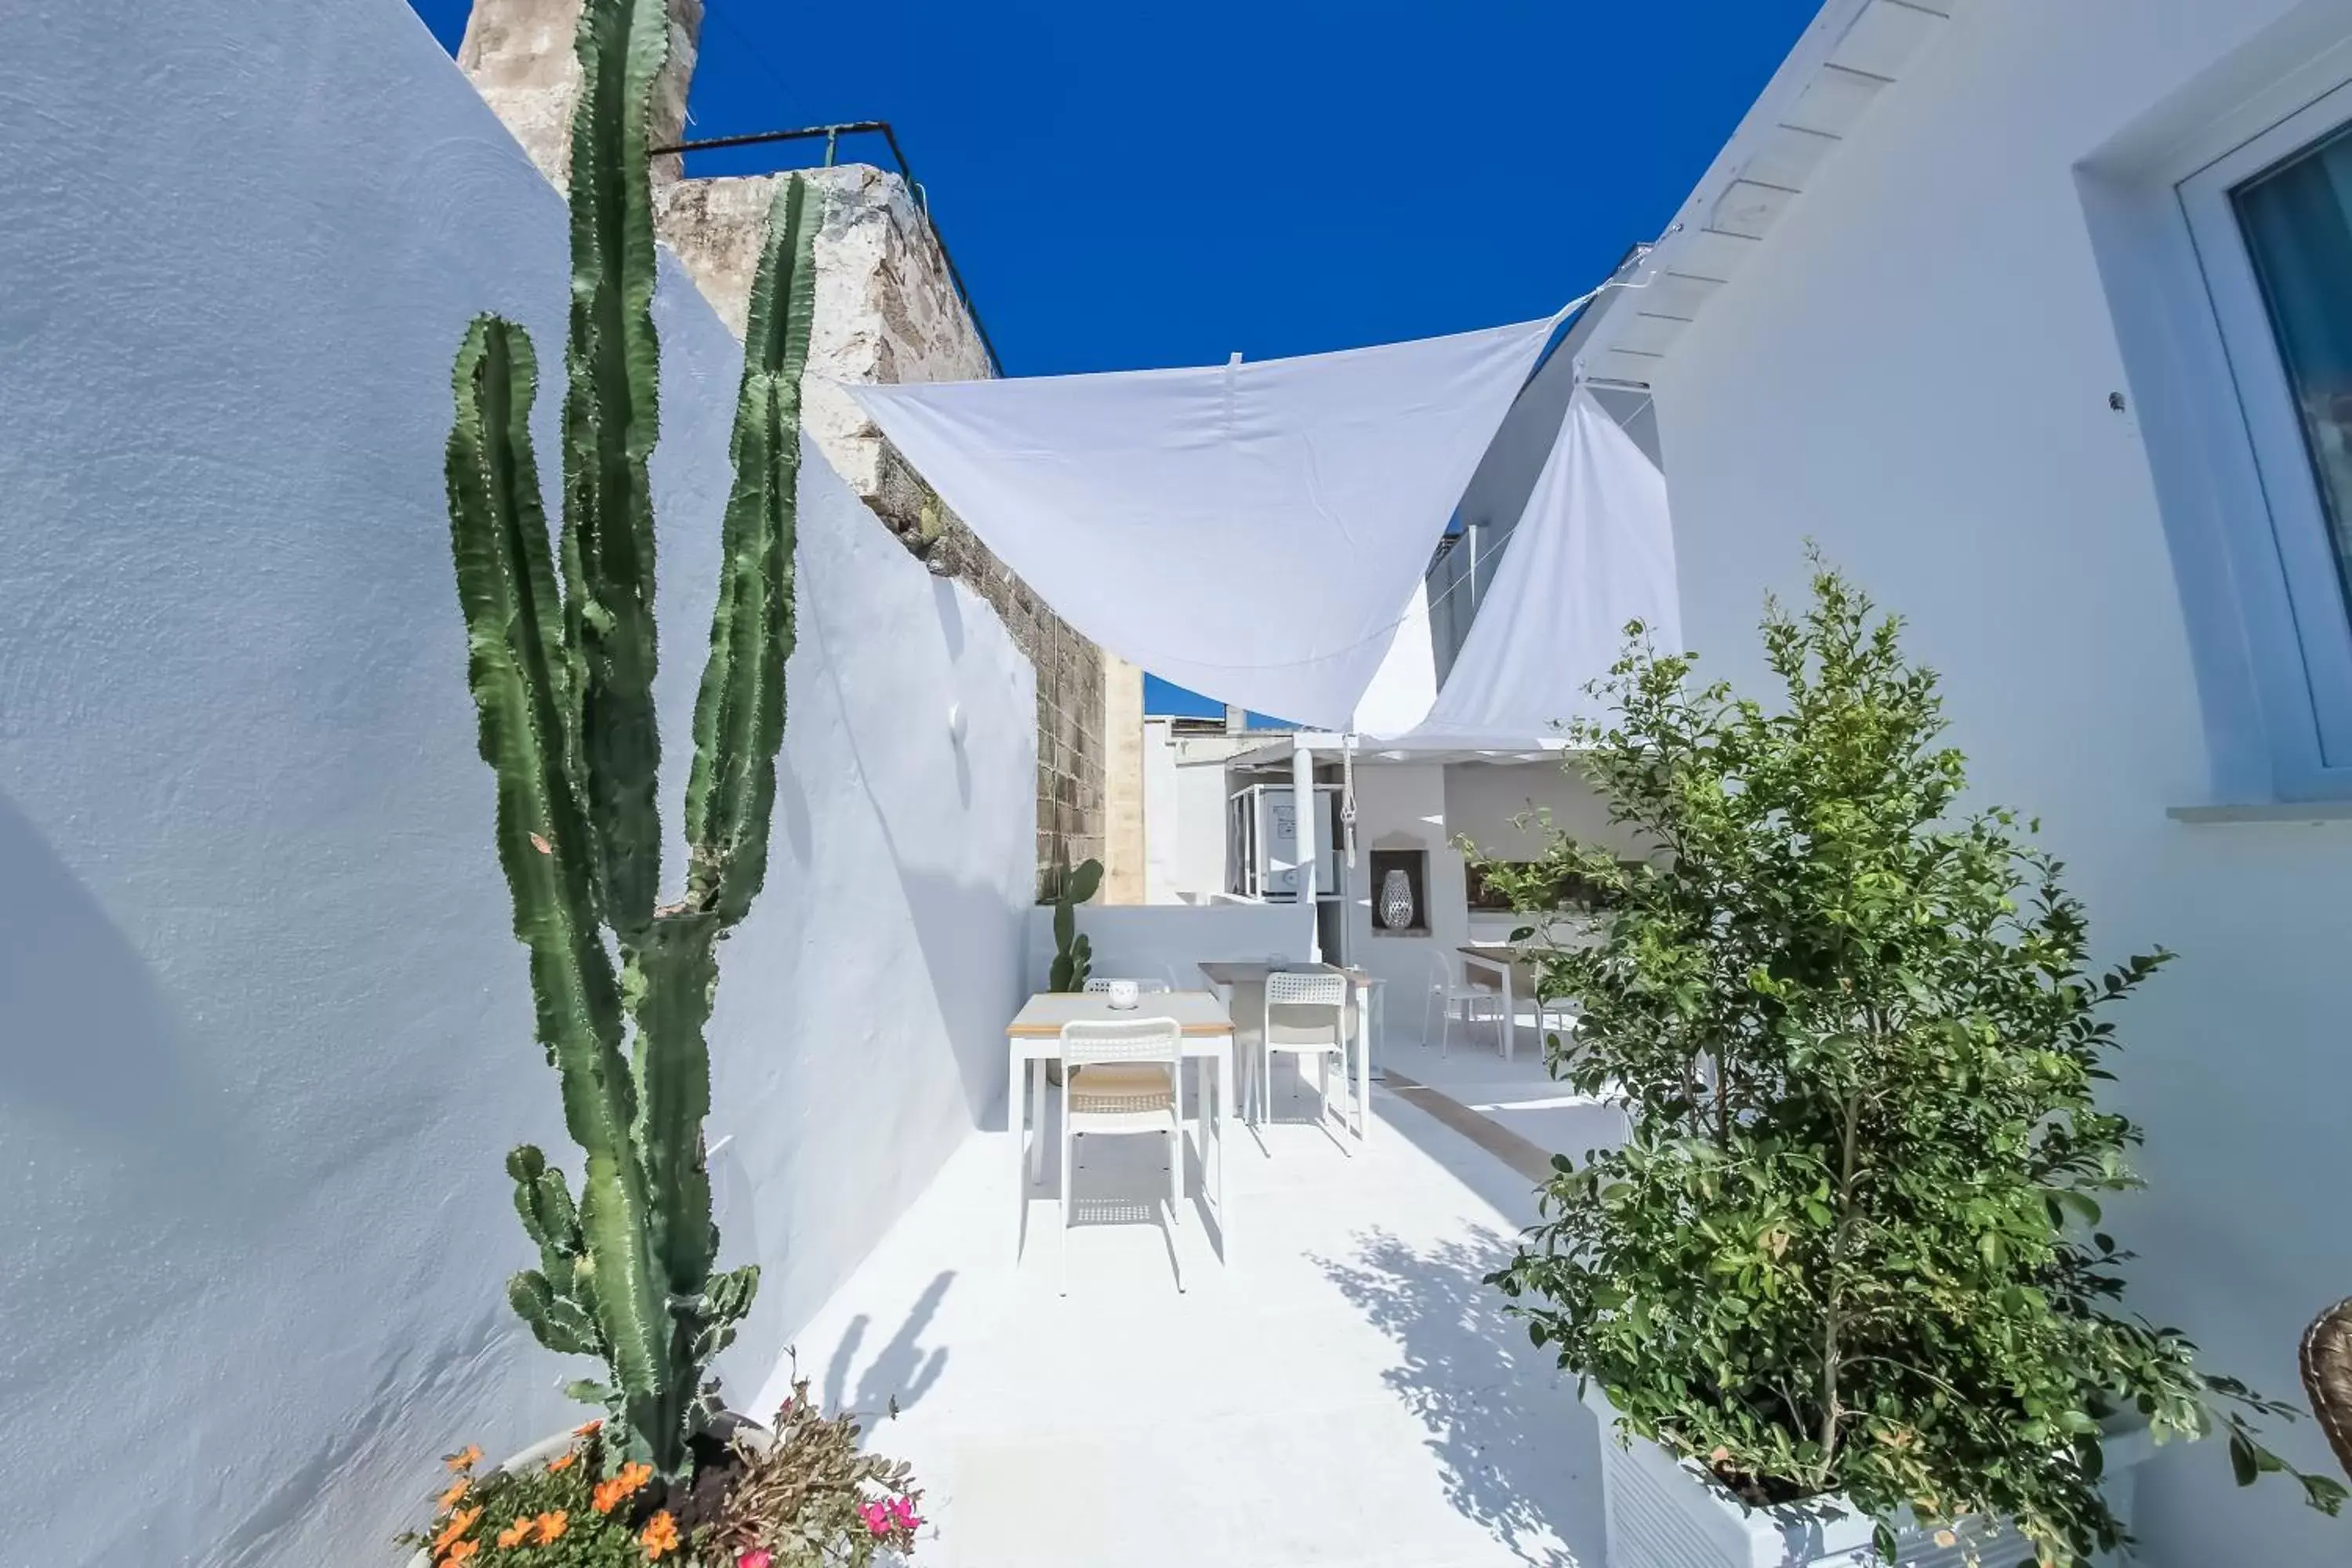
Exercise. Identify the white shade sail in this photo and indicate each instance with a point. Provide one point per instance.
(1248, 530)
(1594, 550)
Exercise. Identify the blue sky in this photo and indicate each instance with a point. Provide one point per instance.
(1127, 187)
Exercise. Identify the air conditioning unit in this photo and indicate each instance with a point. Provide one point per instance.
(1261, 856)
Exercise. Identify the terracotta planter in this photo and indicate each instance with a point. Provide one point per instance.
(1666, 1513)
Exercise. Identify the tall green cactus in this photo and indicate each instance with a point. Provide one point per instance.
(562, 662)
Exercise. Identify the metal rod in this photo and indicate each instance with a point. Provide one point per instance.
(807, 133)
(832, 134)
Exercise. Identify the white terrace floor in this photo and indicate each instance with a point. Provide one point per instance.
(1347, 1392)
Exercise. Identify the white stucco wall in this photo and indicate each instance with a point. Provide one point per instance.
(1484, 801)
(1168, 941)
(1914, 371)
(263, 1032)
(1402, 806)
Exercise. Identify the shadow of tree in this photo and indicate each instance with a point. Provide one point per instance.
(1520, 1456)
(901, 1371)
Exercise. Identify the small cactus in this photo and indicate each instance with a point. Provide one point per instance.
(1073, 955)
(561, 658)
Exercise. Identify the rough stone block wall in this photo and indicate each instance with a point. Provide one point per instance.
(518, 54)
(888, 311)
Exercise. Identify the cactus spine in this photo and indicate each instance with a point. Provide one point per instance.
(1073, 955)
(562, 662)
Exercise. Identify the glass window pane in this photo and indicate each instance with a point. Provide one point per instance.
(2298, 224)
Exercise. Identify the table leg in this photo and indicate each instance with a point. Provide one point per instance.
(1201, 1120)
(1015, 1107)
(1510, 1016)
(1224, 1127)
(1364, 1064)
(1037, 1118)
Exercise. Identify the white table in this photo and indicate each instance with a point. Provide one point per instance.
(1497, 960)
(1226, 975)
(1034, 1038)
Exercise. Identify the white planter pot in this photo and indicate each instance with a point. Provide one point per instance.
(1665, 1512)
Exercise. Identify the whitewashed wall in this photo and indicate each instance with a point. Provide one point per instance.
(263, 1032)
(1168, 941)
(1915, 369)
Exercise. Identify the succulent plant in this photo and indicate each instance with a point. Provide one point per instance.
(561, 659)
(1073, 955)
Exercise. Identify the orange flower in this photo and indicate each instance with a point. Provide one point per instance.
(661, 1535)
(552, 1525)
(587, 1429)
(458, 1524)
(515, 1534)
(459, 1553)
(610, 1493)
(465, 1458)
(448, 1500)
(560, 1463)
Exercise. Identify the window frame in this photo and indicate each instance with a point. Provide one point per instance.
(2299, 636)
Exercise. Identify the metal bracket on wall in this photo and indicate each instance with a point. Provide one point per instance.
(831, 135)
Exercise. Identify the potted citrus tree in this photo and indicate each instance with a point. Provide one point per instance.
(562, 654)
(1844, 1291)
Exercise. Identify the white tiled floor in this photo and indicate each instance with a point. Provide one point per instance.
(1348, 1392)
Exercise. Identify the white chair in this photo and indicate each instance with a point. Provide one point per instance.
(1145, 988)
(1306, 1015)
(1119, 1078)
(1449, 990)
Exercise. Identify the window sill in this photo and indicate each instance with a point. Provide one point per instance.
(2311, 810)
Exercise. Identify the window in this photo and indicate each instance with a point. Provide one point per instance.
(2272, 221)
(2297, 220)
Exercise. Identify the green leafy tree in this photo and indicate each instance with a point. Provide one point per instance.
(1852, 1243)
(562, 655)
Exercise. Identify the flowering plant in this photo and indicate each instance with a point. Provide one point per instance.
(586, 1508)
(815, 1498)
(809, 1497)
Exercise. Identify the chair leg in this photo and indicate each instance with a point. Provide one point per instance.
(1176, 1197)
(1176, 1162)
(1323, 1085)
(1069, 1146)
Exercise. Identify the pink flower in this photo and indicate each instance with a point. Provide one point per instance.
(905, 1509)
(876, 1517)
(754, 1560)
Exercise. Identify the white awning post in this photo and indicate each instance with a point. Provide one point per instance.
(1307, 816)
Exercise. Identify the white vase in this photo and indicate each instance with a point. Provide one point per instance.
(1396, 900)
(1666, 1513)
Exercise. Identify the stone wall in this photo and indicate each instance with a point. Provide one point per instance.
(518, 54)
(888, 311)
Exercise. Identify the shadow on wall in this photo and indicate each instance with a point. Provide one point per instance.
(901, 1371)
(1520, 1456)
(95, 1047)
(946, 911)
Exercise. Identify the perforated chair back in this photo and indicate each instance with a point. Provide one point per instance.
(1091, 1040)
(1099, 985)
(1309, 988)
